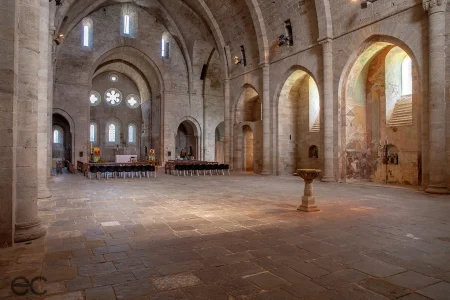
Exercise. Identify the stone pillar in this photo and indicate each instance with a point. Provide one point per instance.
(42, 138)
(227, 141)
(8, 75)
(328, 112)
(437, 107)
(27, 223)
(51, 72)
(267, 168)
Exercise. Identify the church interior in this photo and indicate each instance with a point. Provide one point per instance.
(233, 149)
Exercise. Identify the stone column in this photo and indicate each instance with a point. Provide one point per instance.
(8, 75)
(227, 140)
(27, 223)
(437, 107)
(328, 112)
(51, 72)
(42, 138)
(267, 168)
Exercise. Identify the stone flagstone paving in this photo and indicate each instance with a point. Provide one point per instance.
(234, 237)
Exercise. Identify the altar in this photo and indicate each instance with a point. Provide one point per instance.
(125, 158)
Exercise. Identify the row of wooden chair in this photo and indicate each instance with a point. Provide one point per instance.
(122, 171)
(192, 169)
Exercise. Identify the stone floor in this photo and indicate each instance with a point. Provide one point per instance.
(234, 237)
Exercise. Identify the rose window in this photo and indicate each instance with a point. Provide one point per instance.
(133, 101)
(113, 96)
(114, 78)
(94, 98)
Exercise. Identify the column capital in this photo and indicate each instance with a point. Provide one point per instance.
(429, 5)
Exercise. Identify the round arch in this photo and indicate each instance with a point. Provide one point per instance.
(289, 129)
(69, 119)
(372, 48)
(197, 135)
(248, 93)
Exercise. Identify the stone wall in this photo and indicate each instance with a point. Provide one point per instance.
(104, 112)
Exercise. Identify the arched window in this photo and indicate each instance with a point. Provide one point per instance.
(406, 76)
(126, 24)
(58, 134)
(87, 34)
(131, 133)
(129, 21)
(93, 132)
(314, 106)
(399, 87)
(165, 46)
(55, 136)
(112, 133)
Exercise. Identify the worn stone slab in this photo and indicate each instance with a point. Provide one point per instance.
(236, 257)
(412, 280)
(266, 280)
(377, 268)
(53, 274)
(206, 292)
(169, 295)
(78, 284)
(134, 289)
(113, 278)
(212, 252)
(340, 278)
(128, 264)
(100, 293)
(352, 291)
(239, 287)
(67, 296)
(177, 281)
(383, 287)
(304, 288)
(438, 291)
(307, 269)
(96, 269)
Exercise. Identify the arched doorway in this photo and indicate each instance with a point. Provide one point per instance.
(220, 143)
(61, 139)
(248, 149)
(298, 123)
(380, 134)
(248, 132)
(186, 140)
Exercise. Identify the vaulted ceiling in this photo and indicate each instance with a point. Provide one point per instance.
(223, 23)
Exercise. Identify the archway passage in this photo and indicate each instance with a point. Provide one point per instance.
(186, 141)
(61, 140)
(382, 112)
(220, 143)
(298, 123)
(248, 131)
(248, 149)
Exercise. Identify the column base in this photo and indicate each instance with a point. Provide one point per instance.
(328, 179)
(308, 204)
(266, 173)
(28, 231)
(435, 189)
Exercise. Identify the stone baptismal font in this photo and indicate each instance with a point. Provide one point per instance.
(308, 199)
